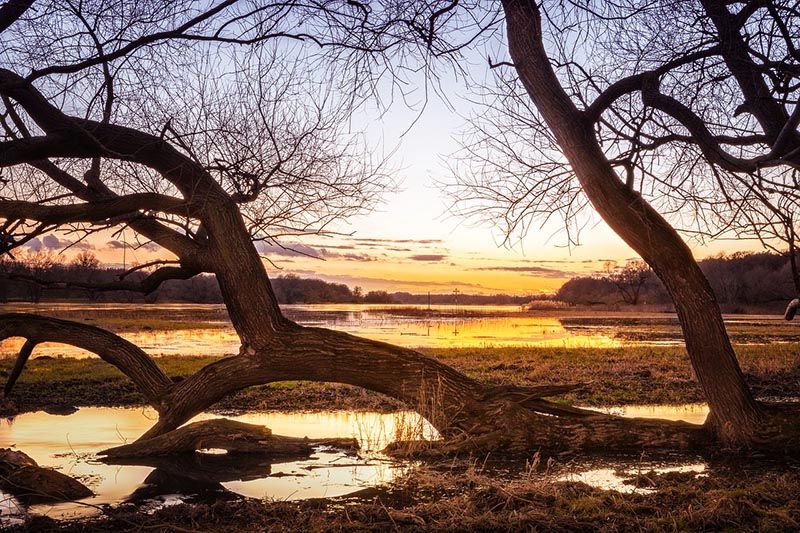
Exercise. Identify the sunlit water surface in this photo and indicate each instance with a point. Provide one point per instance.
(70, 443)
(196, 329)
(613, 475)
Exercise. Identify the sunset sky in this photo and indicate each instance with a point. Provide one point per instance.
(411, 243)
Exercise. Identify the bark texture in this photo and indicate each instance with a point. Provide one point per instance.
(30, 483)
(218, 240)
(735, 415)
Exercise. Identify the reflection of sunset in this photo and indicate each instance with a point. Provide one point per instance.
(446, 326)
(70, 443)
(481, 332)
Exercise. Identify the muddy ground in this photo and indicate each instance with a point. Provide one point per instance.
(460, 497)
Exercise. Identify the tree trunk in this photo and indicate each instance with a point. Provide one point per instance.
(734, 413)
(469, 414)
(793, 265)
(31, 483)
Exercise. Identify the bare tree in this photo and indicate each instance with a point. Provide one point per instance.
(661, 115)
(768, 215)
(178, 121)
(182, 122)
(628, 279)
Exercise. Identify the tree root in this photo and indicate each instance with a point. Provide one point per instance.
(229, 435)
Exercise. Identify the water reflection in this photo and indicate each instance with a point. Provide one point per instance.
(195, 329)
(694, 413)
(69, 443)
(443, 326)
(618, 474)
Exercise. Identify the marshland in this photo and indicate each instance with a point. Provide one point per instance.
(66, 407)
(179, 179)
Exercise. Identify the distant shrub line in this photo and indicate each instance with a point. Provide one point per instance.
(740, 281)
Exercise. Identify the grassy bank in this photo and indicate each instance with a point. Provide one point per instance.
(612, 376)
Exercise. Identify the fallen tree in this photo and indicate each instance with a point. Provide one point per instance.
(21, 476)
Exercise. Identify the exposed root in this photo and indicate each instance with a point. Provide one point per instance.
(228, 435)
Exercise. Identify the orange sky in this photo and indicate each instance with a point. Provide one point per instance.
(411, 244)
(391, 250)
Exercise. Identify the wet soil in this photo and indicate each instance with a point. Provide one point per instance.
(467, 494)
(462, 497)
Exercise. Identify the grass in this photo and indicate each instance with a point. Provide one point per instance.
(121, 323)
(613, 376)
(464, 497)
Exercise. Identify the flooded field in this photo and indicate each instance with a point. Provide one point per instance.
(185, 329)
(70, 444)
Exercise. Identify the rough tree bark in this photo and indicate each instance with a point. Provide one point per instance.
(736, 418)
(274, 348)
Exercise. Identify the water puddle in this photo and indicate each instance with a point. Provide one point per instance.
(631, 474)
(694, 413)
(69, 444)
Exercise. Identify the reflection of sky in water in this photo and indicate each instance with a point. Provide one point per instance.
(614, 478)
(69, 443)
(692, 413)
(409, 326)
(611, 475)
(474, 326)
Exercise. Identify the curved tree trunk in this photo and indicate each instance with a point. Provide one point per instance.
(734, 413)
(468, 413)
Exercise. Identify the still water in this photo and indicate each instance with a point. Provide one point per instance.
(181, 329)
(187, 329)
(70, 444)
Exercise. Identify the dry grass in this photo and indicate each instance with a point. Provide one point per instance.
(468, 498)
(614, 376)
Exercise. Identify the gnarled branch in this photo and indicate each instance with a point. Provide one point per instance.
(129, 358)
(95, 211)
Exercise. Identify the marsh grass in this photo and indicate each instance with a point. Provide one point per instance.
(470, 496)
(612, 376)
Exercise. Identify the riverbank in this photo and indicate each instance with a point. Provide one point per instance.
(611, 376)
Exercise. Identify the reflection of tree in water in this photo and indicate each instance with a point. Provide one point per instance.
(198, 473)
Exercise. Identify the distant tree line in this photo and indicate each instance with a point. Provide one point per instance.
(740, 281)
(45, 276)
(459, 299)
